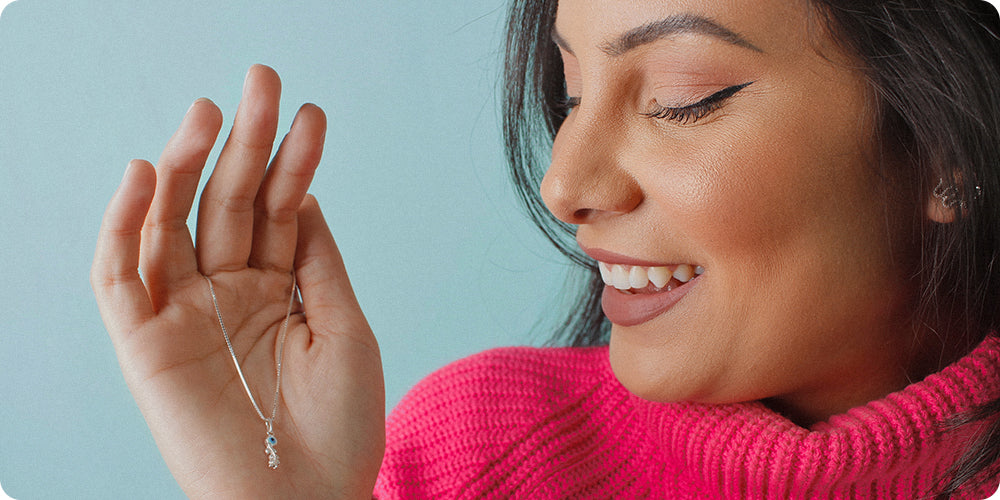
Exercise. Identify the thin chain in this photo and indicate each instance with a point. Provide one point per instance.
(281, 353)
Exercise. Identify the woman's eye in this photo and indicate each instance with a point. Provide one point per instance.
(694, 112)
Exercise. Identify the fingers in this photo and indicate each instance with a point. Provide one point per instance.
(226, 210)
(167, 250)
(283, 189)
(121, 295)
(329, 301)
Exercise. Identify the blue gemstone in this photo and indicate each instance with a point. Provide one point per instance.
(272, 440)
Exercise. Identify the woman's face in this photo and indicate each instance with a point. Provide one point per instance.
(730, 138)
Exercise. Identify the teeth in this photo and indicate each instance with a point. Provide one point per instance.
(638, 277)
(683, 273)
(605, 272)
(619, 277)
(660, 276)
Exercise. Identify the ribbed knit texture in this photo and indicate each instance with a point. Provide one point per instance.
(555, 423)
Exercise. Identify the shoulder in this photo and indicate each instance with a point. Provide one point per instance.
(543, 365)
(502, 376)
(491, 414)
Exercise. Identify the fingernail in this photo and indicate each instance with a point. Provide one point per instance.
(130, 167)
(196, 101)
(247, 79)
(128, 173)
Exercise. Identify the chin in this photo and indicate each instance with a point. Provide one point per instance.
(649, 376)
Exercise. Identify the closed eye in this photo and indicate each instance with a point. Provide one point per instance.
(694, 112)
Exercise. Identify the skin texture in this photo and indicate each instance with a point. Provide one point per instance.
(255, 225)
(806, 301)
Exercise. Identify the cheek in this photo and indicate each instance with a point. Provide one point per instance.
(763, 189)
(787, 214)
(726, 195)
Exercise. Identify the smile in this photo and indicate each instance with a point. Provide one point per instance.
(635, 294)
(647, 279)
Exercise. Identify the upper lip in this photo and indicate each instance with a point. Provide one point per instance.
(609, 257)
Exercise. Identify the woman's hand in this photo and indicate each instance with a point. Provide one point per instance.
(255, 226)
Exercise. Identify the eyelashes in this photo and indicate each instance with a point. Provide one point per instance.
(698, 110)
(682, 115)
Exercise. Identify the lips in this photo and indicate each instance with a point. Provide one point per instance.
(637, 291)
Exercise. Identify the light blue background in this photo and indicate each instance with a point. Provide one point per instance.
(413, 184)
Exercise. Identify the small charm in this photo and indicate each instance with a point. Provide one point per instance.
(272, 455)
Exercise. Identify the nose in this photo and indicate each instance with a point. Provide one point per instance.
(586, 181)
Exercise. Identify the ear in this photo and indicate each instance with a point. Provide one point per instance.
(938, 211)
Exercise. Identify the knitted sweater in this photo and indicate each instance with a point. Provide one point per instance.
(556, 423)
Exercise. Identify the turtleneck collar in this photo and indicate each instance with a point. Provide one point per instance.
(896, 447)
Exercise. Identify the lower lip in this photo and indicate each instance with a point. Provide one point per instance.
(633, 309)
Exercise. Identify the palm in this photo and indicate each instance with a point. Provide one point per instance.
(167, 333)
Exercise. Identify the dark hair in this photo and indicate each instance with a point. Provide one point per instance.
(933, 71)
(534, 92)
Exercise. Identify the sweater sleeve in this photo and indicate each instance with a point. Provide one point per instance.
(479, 426)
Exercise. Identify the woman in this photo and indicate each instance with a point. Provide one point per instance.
(787, 211)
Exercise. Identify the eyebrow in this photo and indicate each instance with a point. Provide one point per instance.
(664, 28)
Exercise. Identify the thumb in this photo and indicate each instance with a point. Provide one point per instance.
(327, 296)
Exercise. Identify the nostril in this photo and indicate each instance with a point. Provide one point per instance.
(581, 215)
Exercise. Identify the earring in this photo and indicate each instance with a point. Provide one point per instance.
(947, 195)
(950, 196)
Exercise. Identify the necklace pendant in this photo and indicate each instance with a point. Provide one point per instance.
(272, 455)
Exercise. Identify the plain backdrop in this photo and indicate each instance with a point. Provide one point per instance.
(413, 183)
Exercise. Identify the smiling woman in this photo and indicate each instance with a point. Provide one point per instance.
(797, 175)
(789, 214)
(708, 181)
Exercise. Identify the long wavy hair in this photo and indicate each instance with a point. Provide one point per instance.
(933, 71)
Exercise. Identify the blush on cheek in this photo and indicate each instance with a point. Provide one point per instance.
(725, 201)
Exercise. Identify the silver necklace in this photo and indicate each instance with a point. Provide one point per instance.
(270, 441)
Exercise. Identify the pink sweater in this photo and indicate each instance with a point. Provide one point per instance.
(555, 423)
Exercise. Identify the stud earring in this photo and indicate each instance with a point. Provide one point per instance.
(950, 196)
(947, 195)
